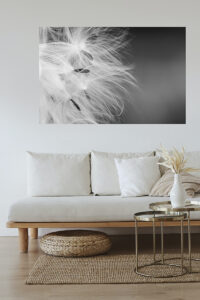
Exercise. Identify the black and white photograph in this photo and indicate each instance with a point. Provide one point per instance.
(112, 75)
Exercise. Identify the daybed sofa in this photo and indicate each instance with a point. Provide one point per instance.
(78, 191)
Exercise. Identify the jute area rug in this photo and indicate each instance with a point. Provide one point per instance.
(104, 269)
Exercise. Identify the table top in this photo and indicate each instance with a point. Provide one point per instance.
(165, 206)
(160, 216)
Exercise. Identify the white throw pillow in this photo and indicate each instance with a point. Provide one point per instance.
(104, 177)
(137, 175)
(58, 174)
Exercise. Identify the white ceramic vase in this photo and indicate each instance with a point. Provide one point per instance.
(177, 194)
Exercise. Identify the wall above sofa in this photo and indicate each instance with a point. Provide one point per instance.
(19, 92)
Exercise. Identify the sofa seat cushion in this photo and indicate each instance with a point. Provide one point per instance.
(81, 208)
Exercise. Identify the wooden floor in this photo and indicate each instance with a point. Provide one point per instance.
(14, 268)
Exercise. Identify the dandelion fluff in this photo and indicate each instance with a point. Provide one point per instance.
(82, 74)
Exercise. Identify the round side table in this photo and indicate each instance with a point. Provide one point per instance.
(190, 206)
(158, 216)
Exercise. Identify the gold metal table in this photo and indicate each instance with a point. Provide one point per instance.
(190, 206)
(158, 216)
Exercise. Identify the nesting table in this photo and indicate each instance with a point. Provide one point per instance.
(189, 207)
(159, 216)
(163, 212)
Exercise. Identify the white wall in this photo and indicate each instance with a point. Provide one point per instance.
(19, 84)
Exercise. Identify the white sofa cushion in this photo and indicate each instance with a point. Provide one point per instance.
(58, 174)
(137, 175)
(81, 208)
(193, 161)
(104, 177)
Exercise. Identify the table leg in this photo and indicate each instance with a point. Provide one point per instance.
(154, 241)
(189, 241)
(162, 242)
(136, 245)
(182, 246)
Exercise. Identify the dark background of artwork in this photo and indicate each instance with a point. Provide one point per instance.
(158, 54)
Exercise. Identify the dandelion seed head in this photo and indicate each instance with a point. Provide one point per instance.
(83, 64)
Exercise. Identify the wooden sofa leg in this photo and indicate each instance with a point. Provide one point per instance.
(34, 233)
(23, 239)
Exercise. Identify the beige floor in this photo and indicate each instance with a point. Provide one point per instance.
(14, 268)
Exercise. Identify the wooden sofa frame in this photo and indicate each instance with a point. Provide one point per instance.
(33, 226)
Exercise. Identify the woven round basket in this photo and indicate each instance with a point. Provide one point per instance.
(74, 243)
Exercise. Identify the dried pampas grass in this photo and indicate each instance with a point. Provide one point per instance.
(175, 160)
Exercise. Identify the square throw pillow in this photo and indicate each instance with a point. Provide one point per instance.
(137, 175)
(58, 174)
(104, 177)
